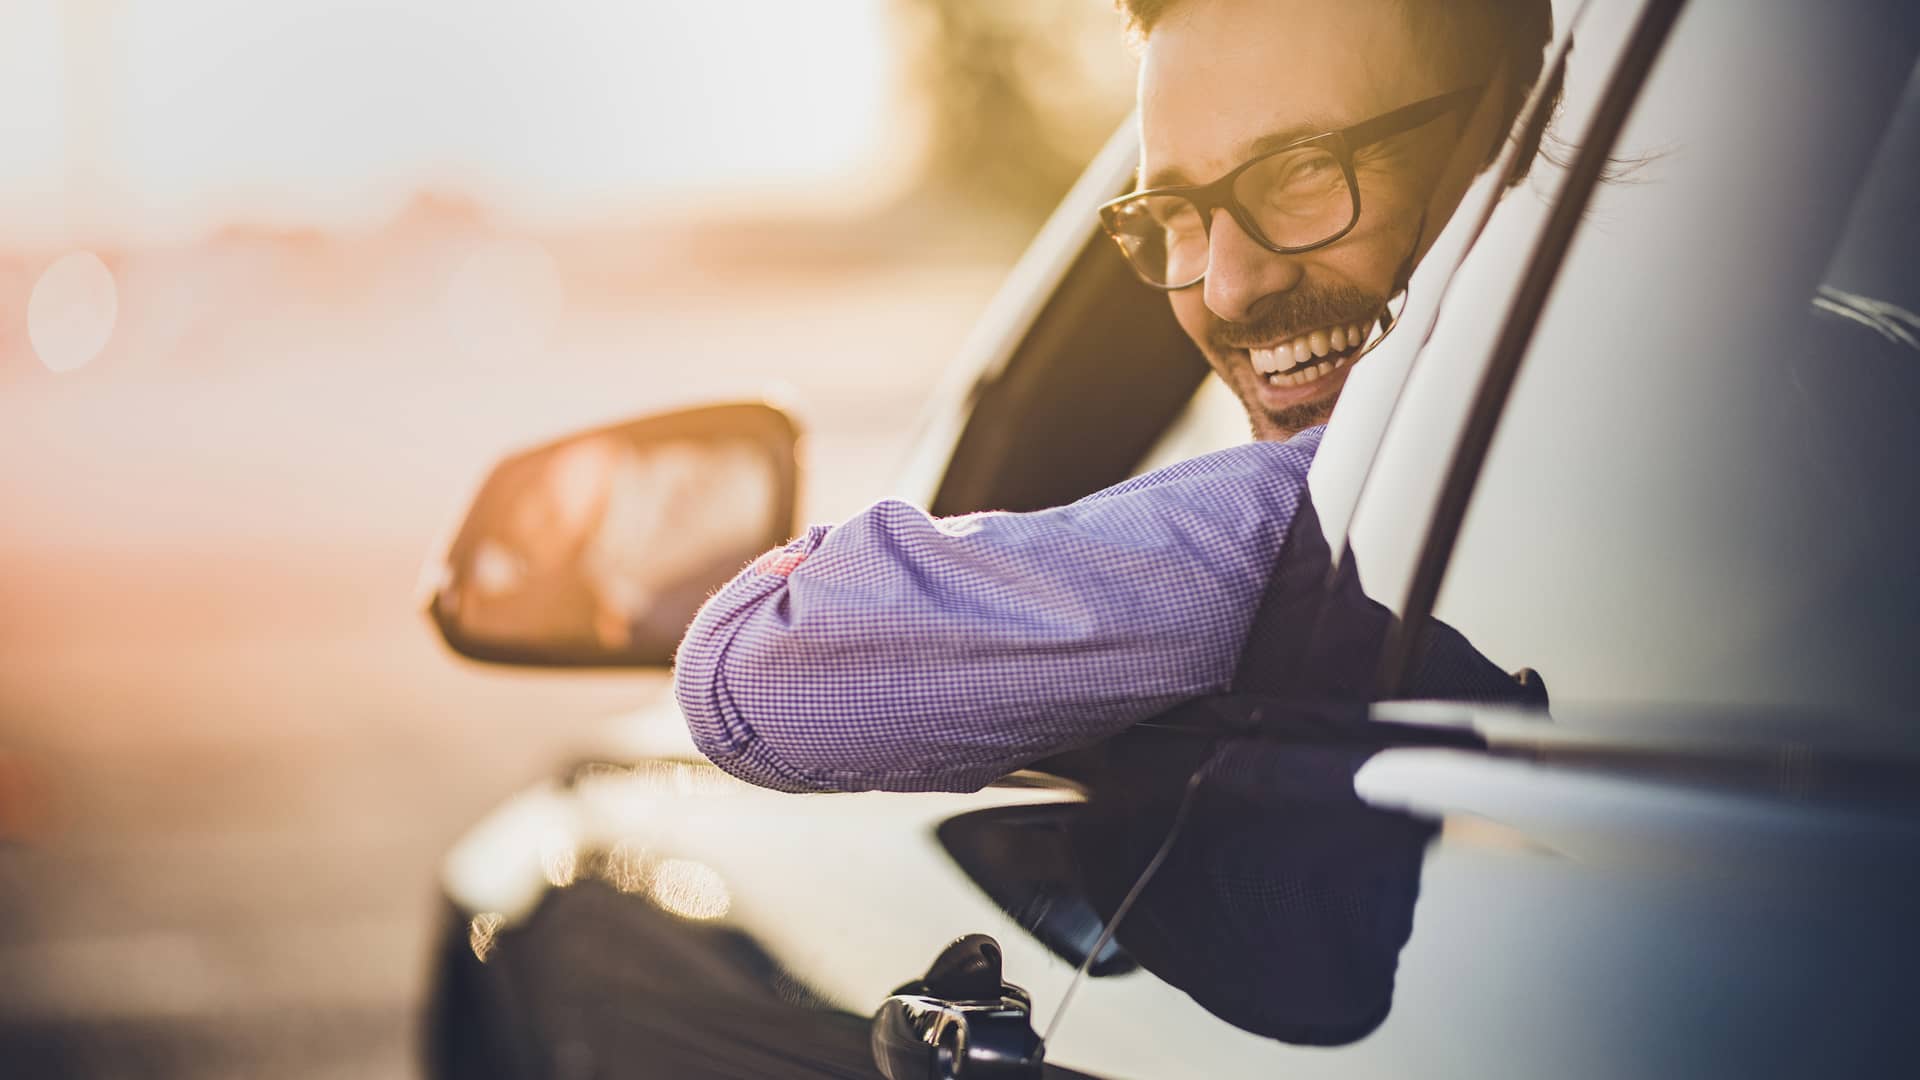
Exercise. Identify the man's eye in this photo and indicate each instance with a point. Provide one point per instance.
(1160, 214)
(1305, 171)
(1177, 217)
(1308, 178)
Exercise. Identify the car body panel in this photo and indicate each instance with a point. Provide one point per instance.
(1667, 929)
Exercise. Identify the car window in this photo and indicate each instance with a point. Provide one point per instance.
(1702, 490)
(1088, 388)
(1213, 420)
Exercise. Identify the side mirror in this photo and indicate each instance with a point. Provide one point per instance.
(596, 550)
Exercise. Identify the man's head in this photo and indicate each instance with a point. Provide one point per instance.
(1222, 81)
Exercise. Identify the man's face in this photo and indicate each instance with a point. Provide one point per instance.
(1220, 76)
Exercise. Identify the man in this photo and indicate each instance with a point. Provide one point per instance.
(1298, 157)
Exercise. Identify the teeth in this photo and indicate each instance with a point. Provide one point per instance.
(1306, 375)
(1288, 355)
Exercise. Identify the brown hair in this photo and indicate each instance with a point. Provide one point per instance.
(1474, 38)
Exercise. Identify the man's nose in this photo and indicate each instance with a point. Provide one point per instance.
(1241, 273)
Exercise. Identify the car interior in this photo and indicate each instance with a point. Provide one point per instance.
(1101, 375)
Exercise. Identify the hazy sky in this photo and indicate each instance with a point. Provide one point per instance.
(158, 118)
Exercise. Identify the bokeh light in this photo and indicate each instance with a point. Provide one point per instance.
(481, 932)
(624, 866)
(559, 858)
(689, 889)
(72, 312)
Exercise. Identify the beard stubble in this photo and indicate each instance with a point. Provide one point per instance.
(1277, 317)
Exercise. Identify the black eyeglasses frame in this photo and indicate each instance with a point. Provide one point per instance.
(1340, 145)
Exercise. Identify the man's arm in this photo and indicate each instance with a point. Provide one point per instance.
(902, 652)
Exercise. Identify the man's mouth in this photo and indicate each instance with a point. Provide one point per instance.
(1305, 357)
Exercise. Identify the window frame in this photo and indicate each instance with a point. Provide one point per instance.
(1541, 270)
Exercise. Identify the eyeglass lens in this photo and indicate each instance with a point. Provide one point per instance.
(1296, 198)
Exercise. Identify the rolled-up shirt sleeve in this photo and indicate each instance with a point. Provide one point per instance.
(903, 652)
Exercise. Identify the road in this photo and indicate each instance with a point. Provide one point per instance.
(245, 749)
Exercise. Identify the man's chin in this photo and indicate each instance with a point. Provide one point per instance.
(1281, 412)
(1279, 426)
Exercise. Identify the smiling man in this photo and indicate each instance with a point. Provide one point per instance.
(1327, 136)
(1298, 157)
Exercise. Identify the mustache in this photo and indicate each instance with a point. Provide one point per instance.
(1285, 315)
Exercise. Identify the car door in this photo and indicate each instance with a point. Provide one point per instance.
(1671, 489)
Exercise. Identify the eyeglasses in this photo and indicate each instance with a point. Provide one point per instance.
(1297, 198)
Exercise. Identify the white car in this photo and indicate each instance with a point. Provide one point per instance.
(1643, 435)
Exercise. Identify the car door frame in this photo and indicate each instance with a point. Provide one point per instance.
(1541, 271)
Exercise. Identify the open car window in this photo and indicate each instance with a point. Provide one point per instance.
(1092, 383)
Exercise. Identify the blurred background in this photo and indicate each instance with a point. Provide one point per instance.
(278, 282)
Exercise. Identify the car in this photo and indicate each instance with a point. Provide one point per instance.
(1641, 437)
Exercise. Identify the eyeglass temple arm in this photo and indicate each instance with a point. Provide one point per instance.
(1386, 125)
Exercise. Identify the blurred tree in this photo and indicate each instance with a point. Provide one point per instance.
(1017, 95)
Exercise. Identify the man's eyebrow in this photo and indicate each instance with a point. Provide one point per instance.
(1174, 176)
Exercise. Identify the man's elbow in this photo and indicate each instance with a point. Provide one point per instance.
(777, 710)
(723, 735)
(792, 756)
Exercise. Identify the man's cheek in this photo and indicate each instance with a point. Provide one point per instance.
(1386, 203)
(1368, 259)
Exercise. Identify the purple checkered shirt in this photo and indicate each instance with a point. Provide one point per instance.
(908, 653)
